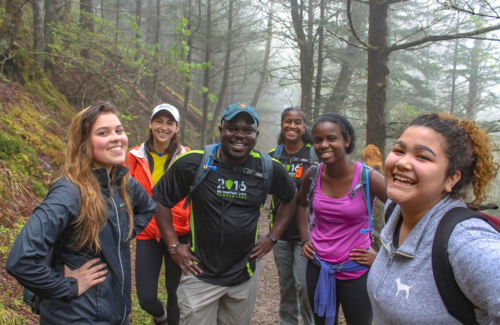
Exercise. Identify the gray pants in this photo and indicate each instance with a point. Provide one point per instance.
(291, 267)
(205, 303)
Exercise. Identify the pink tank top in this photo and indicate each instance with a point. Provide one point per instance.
(338, 225)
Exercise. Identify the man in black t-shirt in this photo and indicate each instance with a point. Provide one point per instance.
(225, 207)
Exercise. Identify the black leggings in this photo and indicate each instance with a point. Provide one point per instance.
(352, 294)
(149, 256)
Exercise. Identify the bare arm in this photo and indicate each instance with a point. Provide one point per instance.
(283, 218)
(378, 186)
(183, 258)
(303, 218)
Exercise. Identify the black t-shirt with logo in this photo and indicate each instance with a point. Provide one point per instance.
(293, 166)
(225, 210)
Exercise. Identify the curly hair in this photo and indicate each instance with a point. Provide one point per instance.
(307, 136)
(469, 151)
(345, 126)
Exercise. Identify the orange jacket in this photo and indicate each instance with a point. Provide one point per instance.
(137, 162)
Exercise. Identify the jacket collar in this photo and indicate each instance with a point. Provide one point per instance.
(103, 178)
(428, 221)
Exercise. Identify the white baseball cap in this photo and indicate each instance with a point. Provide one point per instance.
(166, 107)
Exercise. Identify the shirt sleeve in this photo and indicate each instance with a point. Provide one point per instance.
(26, 260)
(174, 185)
(283, 186)
(474, 253)
(143, 205)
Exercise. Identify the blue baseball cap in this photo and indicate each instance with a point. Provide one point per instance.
(232, 110)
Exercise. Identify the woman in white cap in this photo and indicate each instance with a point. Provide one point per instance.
(147, 164)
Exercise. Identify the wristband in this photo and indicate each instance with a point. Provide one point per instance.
(272, 238)
(305, 241)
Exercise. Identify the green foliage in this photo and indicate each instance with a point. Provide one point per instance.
(9, 146)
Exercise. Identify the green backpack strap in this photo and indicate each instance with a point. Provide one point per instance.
(204, 168)
(267, 168)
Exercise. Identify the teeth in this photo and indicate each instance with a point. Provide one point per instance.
(403, 180)
(325, 154)
(116, 149)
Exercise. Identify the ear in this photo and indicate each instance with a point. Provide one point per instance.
(177, 127)
(452, 180)
(348, 141)
(220, 131)
(150, 125)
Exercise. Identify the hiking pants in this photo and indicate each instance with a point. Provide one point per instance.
(204, 303)
(149, 257)
(351, 294)
(291, 267)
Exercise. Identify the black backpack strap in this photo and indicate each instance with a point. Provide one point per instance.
(389, 211)
(313, 177)
(201, 172)
(454, 299)
(312, 153)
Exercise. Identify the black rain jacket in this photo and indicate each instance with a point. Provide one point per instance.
(51, 225)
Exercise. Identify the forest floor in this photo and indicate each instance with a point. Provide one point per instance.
(265, 312)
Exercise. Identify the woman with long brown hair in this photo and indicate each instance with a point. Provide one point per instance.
(86, 222)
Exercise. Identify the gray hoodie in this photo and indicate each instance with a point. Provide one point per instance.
(401, 284)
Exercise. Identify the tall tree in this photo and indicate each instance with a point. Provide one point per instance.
(138, 33)
(306, 48)
(206, 82)
(38, 31)
(319, 71)
(50, 20)
(158, 51)
(474, 80)
(10, 25)
(378, 55)
(225, 77)
(86, 22)
(267, 53)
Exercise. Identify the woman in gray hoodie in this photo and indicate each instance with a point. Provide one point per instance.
(427, 172)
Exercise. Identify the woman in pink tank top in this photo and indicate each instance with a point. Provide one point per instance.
(338, 246)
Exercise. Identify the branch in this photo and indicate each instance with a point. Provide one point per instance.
(353, 30)
(437, 38)
(391, 2)
(346, 41)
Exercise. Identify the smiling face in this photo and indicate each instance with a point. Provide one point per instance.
(292, 126)
(163, 126)
(415, 170)
(329, 143)
(109, 141)
(237, 138)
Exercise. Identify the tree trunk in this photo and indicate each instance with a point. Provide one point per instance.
(151, 28)
(38, 31)
(225, 76)
(454, 73)
(138, 13)
(306, 59)
(86, 22)
(206, 81)
(454, 78)
(67, 10)
(10, 26)
(187, 80)
(335, 102)
(474, 89)
(376, 97)
(267, 53)
(51, 19)
(158, 51)
(319, 73)
(117, 23)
